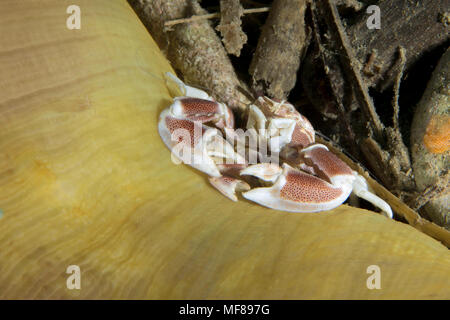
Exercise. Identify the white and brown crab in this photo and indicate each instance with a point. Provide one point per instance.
(310, 178)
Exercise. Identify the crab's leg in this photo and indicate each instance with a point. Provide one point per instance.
(361, 189)
(265, 171)
(328, 166)
(228, 186)
(229, 183)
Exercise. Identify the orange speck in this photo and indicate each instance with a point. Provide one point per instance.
(437, 134)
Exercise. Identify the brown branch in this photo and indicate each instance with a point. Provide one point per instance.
(195, 51)
(233, 37)
(402, 63)
(281, 43)
(210, 16)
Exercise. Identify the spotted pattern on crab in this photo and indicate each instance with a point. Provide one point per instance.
(174, 124)
(325, 162)
(202, 110)
(305, 188)
(193, 107)
(228, 186)
(300, 138)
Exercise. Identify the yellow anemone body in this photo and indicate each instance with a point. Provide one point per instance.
(85, 180)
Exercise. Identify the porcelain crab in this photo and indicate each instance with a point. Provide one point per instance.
(300, 175)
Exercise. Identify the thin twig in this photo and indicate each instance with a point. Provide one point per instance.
(398, 79)
(276, 60)
(210, 16)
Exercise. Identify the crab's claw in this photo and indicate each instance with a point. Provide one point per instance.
(202, 110)
(329, 167)
(197, 105)
(195, 144)
(298, 191)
